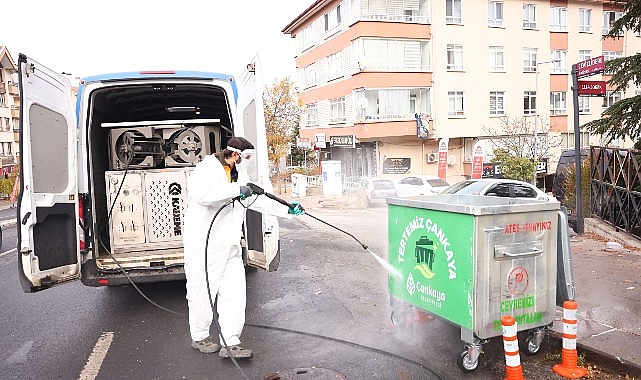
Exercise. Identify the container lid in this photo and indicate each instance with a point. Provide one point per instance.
(475, 204)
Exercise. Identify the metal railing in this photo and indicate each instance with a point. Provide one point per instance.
(615, 187)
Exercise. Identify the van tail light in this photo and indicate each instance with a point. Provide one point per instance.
(372, 194)
(81, 219)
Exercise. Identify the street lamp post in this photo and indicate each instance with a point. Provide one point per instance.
(536, 116)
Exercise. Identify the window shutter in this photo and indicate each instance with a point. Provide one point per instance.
(412, 54)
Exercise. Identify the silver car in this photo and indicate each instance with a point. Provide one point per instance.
(509, 188)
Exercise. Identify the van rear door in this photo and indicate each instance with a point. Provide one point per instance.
(48, 246)
(262, 230)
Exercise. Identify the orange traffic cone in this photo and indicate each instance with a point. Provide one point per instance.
(568, 367)
(513, 368)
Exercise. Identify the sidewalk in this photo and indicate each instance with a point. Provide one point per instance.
(607, 281)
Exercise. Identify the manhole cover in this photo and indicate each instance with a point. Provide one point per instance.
(315, 373)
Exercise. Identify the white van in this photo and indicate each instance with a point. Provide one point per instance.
(104, 177)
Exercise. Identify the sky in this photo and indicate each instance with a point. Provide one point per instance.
(84, 37)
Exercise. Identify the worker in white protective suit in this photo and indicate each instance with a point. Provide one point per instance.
(216, 180)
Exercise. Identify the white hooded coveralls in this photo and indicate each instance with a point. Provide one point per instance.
(207, 190)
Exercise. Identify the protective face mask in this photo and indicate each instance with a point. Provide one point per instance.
(243, 164)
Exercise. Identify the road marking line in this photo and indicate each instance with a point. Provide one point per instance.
(8, 252)
(92, 367)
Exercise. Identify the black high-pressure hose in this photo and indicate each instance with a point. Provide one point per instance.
(211, 300)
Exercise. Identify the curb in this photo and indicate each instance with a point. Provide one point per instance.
(607, 361)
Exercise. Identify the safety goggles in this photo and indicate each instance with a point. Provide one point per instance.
(244, 154)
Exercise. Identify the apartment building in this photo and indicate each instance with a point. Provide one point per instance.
(9, 112)
(383, 82)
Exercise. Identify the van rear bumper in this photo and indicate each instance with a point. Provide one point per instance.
(91, 276)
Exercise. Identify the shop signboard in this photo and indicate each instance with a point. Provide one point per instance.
(396, 165)
(346, 141)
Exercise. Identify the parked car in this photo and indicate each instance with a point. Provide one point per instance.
(420, 185)
(509, 188)
(375, 190)
(566, 160)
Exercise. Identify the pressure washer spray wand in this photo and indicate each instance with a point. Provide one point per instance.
(260, 191)
(387, 266)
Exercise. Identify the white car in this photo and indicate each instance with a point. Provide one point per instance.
(421, 185)
(509, 188)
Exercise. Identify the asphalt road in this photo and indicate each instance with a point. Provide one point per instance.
(324, 312)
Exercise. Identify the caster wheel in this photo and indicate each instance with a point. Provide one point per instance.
(465, 364)
(530, 347)
(399, 318)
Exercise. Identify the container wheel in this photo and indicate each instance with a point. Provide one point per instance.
(465, 364)
(399, 318)
(531, 348)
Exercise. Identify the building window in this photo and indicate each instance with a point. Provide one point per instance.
(468, 148)
(585, 20)
(610, 55)
(529, 102)
(558, 19)
(455, 57)
(529, 16)
(559, 62)
(305, 38)
(584, 55)
(453, 12)
(391, 54)
(2, 101)
(332, 19)
(584, 105)
(609, 17)
(337, 110)
(7, 149)
(403, 11)
(309, 73)
(557, 103)
(529, 60)
(497, 103)
(455, 104)
(496, 59)
(335, 65)
(393, 104)
(584, 139)
(495, 13)
(611, 97)
(312, 114)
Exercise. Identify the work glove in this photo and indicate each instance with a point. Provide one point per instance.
(296, 208)
(245, 192)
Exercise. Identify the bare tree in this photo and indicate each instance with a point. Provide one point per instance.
(516, 136)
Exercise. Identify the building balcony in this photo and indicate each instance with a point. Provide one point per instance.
(15, 112)
(13, 89)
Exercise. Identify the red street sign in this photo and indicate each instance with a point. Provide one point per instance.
(590, 66)
(591, 88)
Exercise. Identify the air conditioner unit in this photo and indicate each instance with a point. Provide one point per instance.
(431, 157)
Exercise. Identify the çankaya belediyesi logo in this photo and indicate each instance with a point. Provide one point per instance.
(431, 246)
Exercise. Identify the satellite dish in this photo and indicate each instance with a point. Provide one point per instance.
(363, 103)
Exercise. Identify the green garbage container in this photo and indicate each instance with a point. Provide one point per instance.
(471, 259)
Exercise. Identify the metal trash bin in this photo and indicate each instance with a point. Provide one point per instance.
(471, 259)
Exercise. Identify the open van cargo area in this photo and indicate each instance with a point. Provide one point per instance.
(142, 142)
